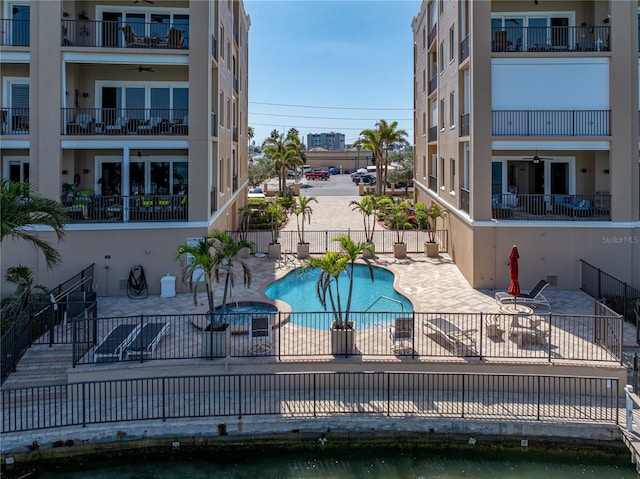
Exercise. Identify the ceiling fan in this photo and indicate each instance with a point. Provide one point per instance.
(140, 68)
(536, 159)
(146, 1)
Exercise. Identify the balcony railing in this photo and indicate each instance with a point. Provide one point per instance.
(104, 34)
(433, 183)
(433, 83)
(432, 34)
(464, 48)
(464, 199)
(15, 33)
(214, 47)
(214, 200)
(550, 39)
(125, 121)
(234, 133)
(124, 209)
(214, 124)
(551, 207)
(464, 124)
(14, 121)
(235, 35)
(433, 133)
(551, 122)
(234, 182)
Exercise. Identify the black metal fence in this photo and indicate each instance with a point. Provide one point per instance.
(298, 395)
(551, 122)
(125, 121)
(547, 207)
(159, 34)
(14, 121)
(15, 33)
(617, 295)
(322, 241)
(546, 338)
(38, 322)
(126, 209)
(586, 38)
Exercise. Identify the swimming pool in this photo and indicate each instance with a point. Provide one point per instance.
(240, 313)
(298, 289)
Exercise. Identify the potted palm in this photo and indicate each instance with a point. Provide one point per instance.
(302, 209)
(274, 211)
(435, 211)
(244, 216)
(368, 208)
(398, 219)
(212, 255)
(332, 265)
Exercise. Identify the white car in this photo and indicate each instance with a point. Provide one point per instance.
(256, 193)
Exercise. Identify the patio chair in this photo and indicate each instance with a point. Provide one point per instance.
(260, 335)
(448, 334)
(150, 127)
(113, 346)
(174, 39)
(533, 298)
(119, 127)
(147, 339)
(181, 127)
(81, 125)
(132, 40)
(401, 335)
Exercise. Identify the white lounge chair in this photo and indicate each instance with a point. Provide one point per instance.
(533, 298)
(260, 335)
(461, 341)
(401, 335)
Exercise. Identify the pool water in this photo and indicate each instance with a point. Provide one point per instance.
(240, 314)
(298, 289)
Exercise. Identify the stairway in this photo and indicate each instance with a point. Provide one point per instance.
(41, 365)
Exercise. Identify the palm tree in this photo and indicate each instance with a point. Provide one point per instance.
(302, 208)
(21, 207)
(367, 207)
(23, 278)
(250, 134)
(283, 150)
(352, 251)
(331, 266)
(372, 140)
(389, 135)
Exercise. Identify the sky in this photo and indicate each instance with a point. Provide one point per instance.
(330, 65)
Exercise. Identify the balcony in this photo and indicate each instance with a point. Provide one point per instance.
(464, 49)
(126, 209)
(14, 121)
(551, 207)
(15, 33)
(432, 34)
(214, 201)
(214, 48)
(464, 124)
(550, 39)
(433, 84)
(103, 34)
(433, 183)
(234, 133)
(214, 124)
(551, 123)
(125, 121)
(235, 83)
(433, 133)
(464, 199)
(234, 182)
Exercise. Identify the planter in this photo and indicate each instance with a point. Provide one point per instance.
(244, 253)
(400, 250)
(216, 344)
(343, 340)
(432, 250)
(303, 250)
(274, 251)
(366, 254)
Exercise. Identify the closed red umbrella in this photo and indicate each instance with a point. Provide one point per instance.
(514, 286)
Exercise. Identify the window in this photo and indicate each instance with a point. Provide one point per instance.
(531, 30)
(452, 109)
(222, 41)
(440, 6)
(442, 114)
(452, 44)
(153, 176)
(228, 113)
(424, 123)
(424, 80)
(441, 173)
(452, 165)
(221, 106)
(148, 23)
(424, 37)
(441, 59)
(142, 101)
(16, 169)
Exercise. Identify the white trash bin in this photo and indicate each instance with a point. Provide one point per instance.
(168, 286)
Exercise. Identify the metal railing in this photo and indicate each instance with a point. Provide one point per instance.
(15, 33)
(617, 295)
(539, 338)
(119, 209)
(464, 124)
(37, 323)
(125, 121)
(515, 39)
(515, 397)
(551, 122)
(214, 124)
(234, 133)
(214, 48)
(432, 35)
(14, 121)
(433, 183)
(465, 199)
(433, 83)
(321, 241)
(547, 207)
(113, 34)
(464, 48)
(433, 133)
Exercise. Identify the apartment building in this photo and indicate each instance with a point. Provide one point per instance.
(330, 141)
(526, 131)
(133, 114)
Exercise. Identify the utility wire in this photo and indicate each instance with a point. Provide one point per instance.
(328, 117)
(329, 107)
(313, 127)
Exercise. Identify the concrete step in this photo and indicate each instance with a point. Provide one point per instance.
(41, 365)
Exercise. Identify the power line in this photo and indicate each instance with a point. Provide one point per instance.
(330, 107)
(312, 127)
(328, 117)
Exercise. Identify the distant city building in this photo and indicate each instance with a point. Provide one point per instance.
(329, 141)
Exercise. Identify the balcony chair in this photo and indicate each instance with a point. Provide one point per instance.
(132, 40)
(82, 125)
(181, 127)
(532, 299)
(260, 335)
(152, 127)
(401, 335)
(174, 39)
(119, 127)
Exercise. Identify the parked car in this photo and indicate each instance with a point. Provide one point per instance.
(317, 175)
(256, 193)
(359, 177)
(291, 174)
(334, 171)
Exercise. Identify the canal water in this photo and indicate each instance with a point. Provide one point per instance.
(411, 462)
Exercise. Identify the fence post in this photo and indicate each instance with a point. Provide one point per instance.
(629, 406)
(481, 335)
(51, 325)
(599, 284)
(634, 377)
(550, 335)
(141, 325)
(326, 241)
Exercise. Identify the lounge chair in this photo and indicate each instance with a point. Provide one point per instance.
(119, 127)
(461, 341)
(152, 127)
(533, 298)
(113, 346)
(260, 335)
(133, 40)
(401, 335)
(144, 344)
(82, 125)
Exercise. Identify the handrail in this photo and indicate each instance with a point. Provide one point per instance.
(388, 298)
